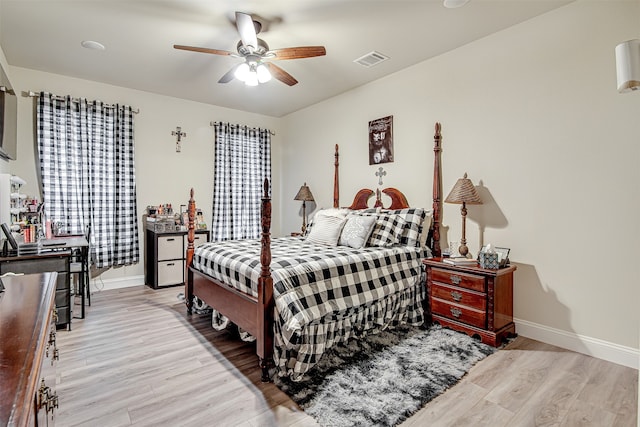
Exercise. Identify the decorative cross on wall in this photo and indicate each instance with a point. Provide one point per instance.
(178, 134)
(381, 172)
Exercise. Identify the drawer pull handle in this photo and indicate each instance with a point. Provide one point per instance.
(170, 240)
(457, 296)
(171, 263)
(455, 312)
(456, 279)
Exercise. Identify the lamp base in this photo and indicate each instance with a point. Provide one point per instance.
(463, 250)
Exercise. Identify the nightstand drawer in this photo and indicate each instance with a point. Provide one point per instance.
(457, 278)
(459, 295)
(460, 313)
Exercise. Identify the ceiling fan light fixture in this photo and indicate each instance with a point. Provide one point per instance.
(252, 79)
(263, 73)
(242, 72)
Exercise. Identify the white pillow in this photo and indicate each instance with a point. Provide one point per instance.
(356, 231)
(326, 230)
(339, 212)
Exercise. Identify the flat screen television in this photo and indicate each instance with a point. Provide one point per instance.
(8, 118)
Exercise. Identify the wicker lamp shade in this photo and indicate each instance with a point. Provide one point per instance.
(462, 193)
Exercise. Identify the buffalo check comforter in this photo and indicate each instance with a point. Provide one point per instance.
(323, 295)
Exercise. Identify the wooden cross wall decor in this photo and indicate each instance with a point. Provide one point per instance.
(178, 134)
(381, 172)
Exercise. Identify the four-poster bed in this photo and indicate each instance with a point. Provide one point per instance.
(246, 297)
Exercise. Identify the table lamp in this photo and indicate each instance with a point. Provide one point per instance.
(305, 195)
(462, 193)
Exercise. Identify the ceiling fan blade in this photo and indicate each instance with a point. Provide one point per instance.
(281, 74)
(299, 52)
(229, 75)
(247, 30)
(204, 50)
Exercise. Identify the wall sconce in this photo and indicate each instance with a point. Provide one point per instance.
(305, 195)
(464, 192)
(628, 65)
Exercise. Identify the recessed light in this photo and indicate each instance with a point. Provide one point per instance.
(452, 4)
(90, 44)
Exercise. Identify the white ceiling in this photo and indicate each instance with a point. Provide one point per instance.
(139, 36)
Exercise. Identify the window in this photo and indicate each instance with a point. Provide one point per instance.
(86, 153)
(242, 162)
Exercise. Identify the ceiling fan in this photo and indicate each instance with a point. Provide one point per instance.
(257, 67)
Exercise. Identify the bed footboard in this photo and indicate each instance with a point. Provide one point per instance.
(255, 315)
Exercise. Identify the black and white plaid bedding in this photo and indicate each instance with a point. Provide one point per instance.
(323, 295)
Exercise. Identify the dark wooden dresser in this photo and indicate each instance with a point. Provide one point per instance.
(473, 300)
(28, 351)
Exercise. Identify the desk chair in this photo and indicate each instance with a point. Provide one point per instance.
(79, 266)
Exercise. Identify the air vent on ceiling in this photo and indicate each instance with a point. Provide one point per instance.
(371, 59)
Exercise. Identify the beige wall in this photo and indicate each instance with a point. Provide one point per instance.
(162, 174)
(532, 114)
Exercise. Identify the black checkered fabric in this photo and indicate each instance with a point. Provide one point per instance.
(323, 295)
(242, 162)
(387, 230)
(414, 218)
(87, 169)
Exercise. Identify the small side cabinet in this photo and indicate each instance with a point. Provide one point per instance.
(473, 300)
(165, 255)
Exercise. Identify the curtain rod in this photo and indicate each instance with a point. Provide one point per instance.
(215, 123)
(62, 98)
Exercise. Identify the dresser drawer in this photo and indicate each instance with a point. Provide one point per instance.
(170, 247)
(458, 312)
(465, 280)
(457, 295)
(31, 266)
(170, 272)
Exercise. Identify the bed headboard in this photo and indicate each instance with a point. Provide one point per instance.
(398, 200)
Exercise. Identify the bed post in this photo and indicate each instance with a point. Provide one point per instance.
(188, 283)
(265, 290)
(336, 187)
(437, 192)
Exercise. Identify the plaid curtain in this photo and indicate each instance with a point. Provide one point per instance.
(88, 175)
(242, 162)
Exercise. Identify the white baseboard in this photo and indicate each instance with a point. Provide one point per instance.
(622, 355)
(99, 284)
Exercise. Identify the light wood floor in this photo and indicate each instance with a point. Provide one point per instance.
(137, 359)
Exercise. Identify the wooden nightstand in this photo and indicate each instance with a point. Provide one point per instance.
(472, 299)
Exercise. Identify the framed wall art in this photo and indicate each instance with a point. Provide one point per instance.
(381, 140)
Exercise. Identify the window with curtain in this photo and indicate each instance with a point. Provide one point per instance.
(242, 162)
(86, 153)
